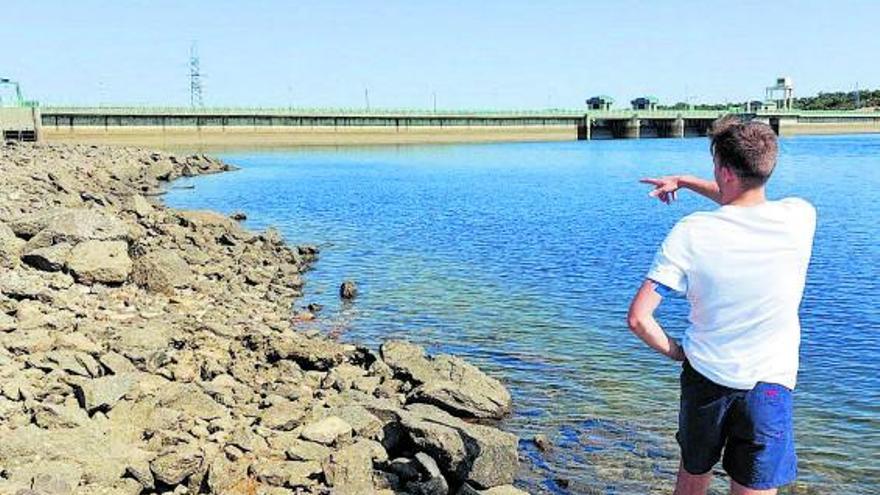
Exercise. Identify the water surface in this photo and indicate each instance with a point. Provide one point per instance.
(523, 258)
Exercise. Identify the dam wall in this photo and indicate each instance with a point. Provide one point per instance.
(236, 128)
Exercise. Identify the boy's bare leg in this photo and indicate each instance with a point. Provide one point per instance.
(692, 484)
(737, 489)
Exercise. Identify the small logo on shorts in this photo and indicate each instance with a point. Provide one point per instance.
(772, 392)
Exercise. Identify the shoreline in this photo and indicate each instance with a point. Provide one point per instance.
(217, 138)
(168, 337)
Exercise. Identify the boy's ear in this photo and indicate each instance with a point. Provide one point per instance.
(727, 175)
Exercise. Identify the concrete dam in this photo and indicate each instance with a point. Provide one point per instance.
(241, 127)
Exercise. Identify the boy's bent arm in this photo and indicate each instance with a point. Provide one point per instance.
(642, 323)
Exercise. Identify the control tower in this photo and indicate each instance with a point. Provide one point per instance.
(782, 93)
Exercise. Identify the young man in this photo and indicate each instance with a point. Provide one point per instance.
(743, 268)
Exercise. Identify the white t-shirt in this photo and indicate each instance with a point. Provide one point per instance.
(743, 269)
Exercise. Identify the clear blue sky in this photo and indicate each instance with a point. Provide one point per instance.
(473, 54)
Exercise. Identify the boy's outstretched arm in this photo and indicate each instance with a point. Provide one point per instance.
(642, 323)
(665, 188)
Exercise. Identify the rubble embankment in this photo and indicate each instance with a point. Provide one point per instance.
(145, 349)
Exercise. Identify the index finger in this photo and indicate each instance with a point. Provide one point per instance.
(649, 180)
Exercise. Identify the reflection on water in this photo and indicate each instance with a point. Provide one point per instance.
(523, 257)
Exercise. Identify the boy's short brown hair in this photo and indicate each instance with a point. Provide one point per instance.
(748, 148)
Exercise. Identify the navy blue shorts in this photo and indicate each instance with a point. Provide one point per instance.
(753, 428)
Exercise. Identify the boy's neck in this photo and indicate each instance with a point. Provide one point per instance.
(747, 197)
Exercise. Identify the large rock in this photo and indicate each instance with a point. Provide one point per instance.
(161, 271)
(10, 246)
(173, 467)
(311, 353)
(480, 455)
(77, 225)
(50, 259)
(290, 474)
(301, 450)
(103, 393)
(18, 284)
(105, 262)
(285, 415)
(447, 382)
(328, 431)
(349, 471)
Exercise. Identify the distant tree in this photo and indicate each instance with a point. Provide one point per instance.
(839, 100)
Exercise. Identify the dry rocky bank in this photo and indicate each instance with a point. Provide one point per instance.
(147, 350)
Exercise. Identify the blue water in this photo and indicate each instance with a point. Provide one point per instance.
(523, 258)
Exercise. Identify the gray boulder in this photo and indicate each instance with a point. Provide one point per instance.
(477, 454)
(49, 259)
(447, 382)
(104, 262)
(103, 393)
(161, 271)
(77, 225)
(10, 246)
(328, 431)
(19, 284)
(290, 474)
(173, 467)
(349, 471)
(311, 353)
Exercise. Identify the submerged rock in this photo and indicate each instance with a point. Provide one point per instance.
(348, 290)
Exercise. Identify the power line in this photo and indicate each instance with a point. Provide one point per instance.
(195, 78)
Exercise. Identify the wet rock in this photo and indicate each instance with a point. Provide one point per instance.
(542, 442)
(328, 431)
(348, 290)
(238, 216)
(161, 271)
(104, 262)
(447, 382)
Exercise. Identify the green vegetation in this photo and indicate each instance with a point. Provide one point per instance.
(839, 100)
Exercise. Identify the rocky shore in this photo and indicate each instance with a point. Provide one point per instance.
(148, 350)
